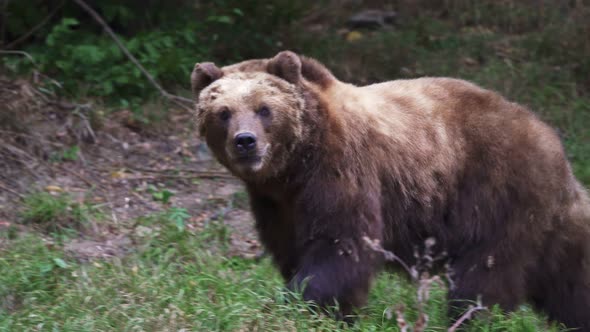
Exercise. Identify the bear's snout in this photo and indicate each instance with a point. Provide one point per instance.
(244, 143)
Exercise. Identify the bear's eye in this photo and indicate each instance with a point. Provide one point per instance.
(264, 111)
(225, 115)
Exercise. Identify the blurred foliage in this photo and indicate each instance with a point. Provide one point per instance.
(166, 37)
(169, 37)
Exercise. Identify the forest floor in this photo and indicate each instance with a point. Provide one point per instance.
(122, 166)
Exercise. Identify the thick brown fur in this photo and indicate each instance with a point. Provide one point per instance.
(402, 161)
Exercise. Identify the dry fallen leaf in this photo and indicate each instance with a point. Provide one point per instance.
(353, 35)
(120, 174)
(54, 189)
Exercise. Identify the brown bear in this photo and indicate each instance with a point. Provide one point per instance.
(327, 163)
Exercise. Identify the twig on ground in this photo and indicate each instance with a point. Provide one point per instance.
(14, 133)
(421, 323)
(176, 170)
(180, 101)
(400, 319)
(426, 283)
(79, 176)
(23, 53)
(420, 274)
(467, 315)
(114, 215)
(220, 213)
(449, 276)
(69, 106)
(20, 153)
(388, 255)
(27, 167)
(200, 175)
(89, 132)
(422, 297)
(3, 187)
(162, 173)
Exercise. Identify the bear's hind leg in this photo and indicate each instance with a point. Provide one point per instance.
(568, 303)
(490, 281)
(562, 287)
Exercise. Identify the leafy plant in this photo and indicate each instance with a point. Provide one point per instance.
(178, 216)
(68, 154)
(166, 40)
(162, 195)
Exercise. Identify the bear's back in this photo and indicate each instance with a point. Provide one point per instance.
(457, 146)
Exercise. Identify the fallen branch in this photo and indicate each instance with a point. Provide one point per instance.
(79, 176)
(175, 170)
(23, 53)
(426, 282)
(178, 100)
(400, 319)
(68, 106)
(36, 72)
(3, 187)
(419, 274)
(467, 315)
(17, 151)
(12, 156)
(220, 213)
(41, 139)
(389, 256)
(197, 175)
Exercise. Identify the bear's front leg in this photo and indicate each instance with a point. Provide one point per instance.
(335, 272)
(335, 266)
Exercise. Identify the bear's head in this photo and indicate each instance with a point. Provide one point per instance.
(251, 114)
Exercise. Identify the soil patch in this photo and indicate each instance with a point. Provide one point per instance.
(113, 162)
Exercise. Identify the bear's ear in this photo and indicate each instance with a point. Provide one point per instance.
(204, 74)
(286, 65)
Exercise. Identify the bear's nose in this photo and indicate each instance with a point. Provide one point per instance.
(245, 142)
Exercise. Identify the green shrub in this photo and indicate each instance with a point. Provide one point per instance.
(166, 40)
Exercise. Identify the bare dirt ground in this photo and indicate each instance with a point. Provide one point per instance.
(114, 162)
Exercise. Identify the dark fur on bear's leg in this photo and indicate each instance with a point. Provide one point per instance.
(561, 287)
(325, 259)
(274, 232)
(331, 277)
(503, 285)
(568, 303)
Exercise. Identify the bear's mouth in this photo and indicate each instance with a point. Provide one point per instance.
(246, 160)
(248, 164)
(251, 162)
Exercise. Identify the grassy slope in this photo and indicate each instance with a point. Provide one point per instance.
(174, 282)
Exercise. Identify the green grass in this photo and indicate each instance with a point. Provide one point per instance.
(176, 280)
(57, 213)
